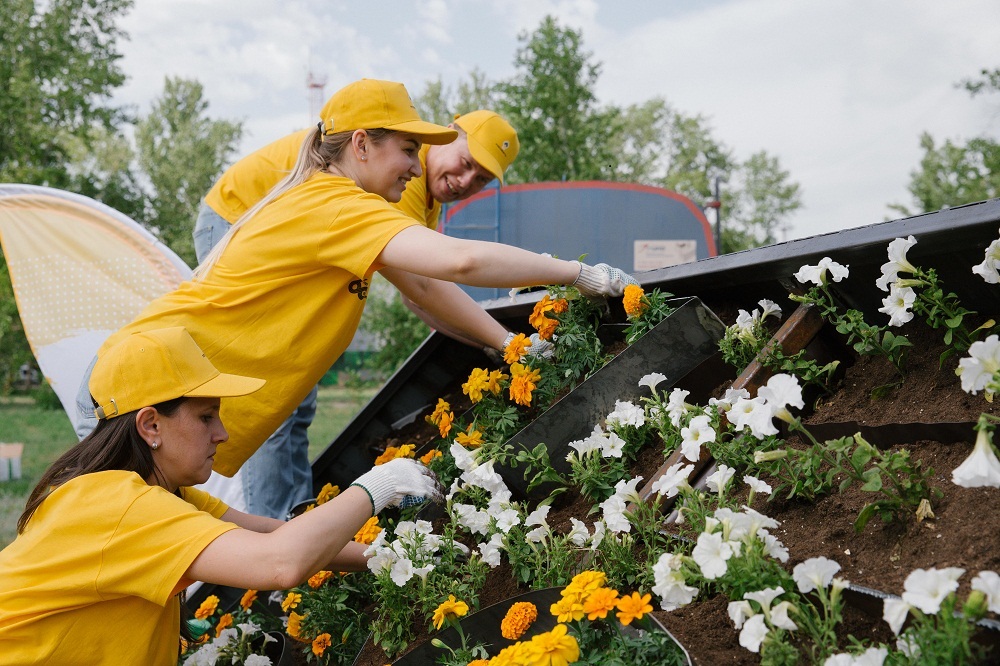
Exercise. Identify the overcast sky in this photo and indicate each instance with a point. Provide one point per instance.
(839, 91)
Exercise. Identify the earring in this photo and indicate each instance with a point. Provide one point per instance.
(155, 445)
(364, 157)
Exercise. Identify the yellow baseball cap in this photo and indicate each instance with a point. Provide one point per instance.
(492, 141)
(155, 366)
(371, 104)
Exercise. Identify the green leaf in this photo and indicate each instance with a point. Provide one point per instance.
(865, 515)
(873, 480)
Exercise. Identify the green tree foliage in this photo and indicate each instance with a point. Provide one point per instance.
(438, 103)
(103, 167)
(182, 152)
(59, 64)
(564, 134)
(756, 209)
(956, 173)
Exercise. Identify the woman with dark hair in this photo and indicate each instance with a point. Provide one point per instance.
(113, 532)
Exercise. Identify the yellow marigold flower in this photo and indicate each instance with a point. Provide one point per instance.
(429, 456)
(522, 383)
(292, 600)
(479, 380)
(470, 439)
(207, 607)
(369, 531)
(444, 425)
(634, 301)
(567, 609)
(318, 578)
(588, 581)
(478, 662)
(496, 377)
(441, 408)
(633, 607)
(600, 602)
(294, 628)
(224, 622)
(310, 508)
(327, 493)
(449, 610)
(512, 655)
(320, 644)
(248, 598)
(393, 452)
(554, 648)
(516, 348)
(518, 619)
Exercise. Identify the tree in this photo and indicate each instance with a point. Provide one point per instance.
(757, 208)
(182, 152)
(398, 331)
(59, 65)
(564, 135)
(439, 104)
(104, 168)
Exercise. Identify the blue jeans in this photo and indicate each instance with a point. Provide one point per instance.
(86, 421)
(278, 475)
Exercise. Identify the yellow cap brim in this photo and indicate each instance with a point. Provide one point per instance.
(436, 135)
(226, 386)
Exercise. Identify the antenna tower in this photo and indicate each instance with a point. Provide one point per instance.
(314, 90)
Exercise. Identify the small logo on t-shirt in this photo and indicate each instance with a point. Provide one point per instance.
(359, 287)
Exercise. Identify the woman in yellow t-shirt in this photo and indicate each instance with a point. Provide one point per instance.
(113, 532)
(281, 295)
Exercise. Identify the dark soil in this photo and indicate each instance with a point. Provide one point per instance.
(962, 534)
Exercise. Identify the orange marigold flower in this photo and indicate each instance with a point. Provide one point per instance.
(560, 306)
(294, 628)
(248, 598)
(567, 609)
(537, 317)
(320, 644)
(429, 456)
(554, 647)
(479, 662)
(318, 578)
(588, 581)
(494, 384)
(633, 607)
(441, 408)
(449, 609)
(470, 439)
(522, 383)
(327, 493)
(225, 621)
(516, 348)
(479, 380)
(292, 600)
(207, 607)
(518, 619)
(634, 300)
(600, 602)
(369, 531)
(393, 452)
(444, 425)
(548, 330)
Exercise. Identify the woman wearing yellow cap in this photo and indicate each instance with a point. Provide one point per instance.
(281, 295)
(113, 531)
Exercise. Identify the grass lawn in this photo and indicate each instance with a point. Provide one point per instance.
(47, 433)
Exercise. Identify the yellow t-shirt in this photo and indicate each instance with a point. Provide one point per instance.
(95, 576)
(283, 302)
(246, 182)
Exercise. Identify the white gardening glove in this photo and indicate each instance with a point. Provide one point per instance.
(602, 280)
(399, 482)
(538, 347)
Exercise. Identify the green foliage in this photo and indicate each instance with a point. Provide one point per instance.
(15, 350)
(438, 103)
(335, 607)
(756, 210)
(655, 308)
(182, 152)
(579, 351)
(396, 328)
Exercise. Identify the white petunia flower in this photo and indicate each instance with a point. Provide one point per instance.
(818, 274)
(991, 262)
(780, 619)
(894, 612)
(745, 322)
(538, 534)
(739, 611)
(982, 468)
(402, 571)
(766, 596)
(753, 633)
(537, 517)
(613, 510)
(874, 656)
(725, 403)
(491, 550)
(257, 660)
(506, 519)
(579, 534)
(753, 413)
(781, 391)
(627, 490)
(599, 531)
(711, 554)
(676, 407)
(756, 485)
(897, 262)
(717, 482)
(982, 364)
(674, 593)
(463, 457)
(612, 446)
(897, 304)
(988, 582)
(672, 480)
(626, 413)
(927, 588)
(768, 308)
(814, 573)
(652, 379)
(699, 431)
(774, 548)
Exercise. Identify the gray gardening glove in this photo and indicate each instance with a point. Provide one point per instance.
(602, 280)
(400, 482)
(538, 347)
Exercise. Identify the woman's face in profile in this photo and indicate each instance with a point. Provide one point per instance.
(391, 164)
(188, 441)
